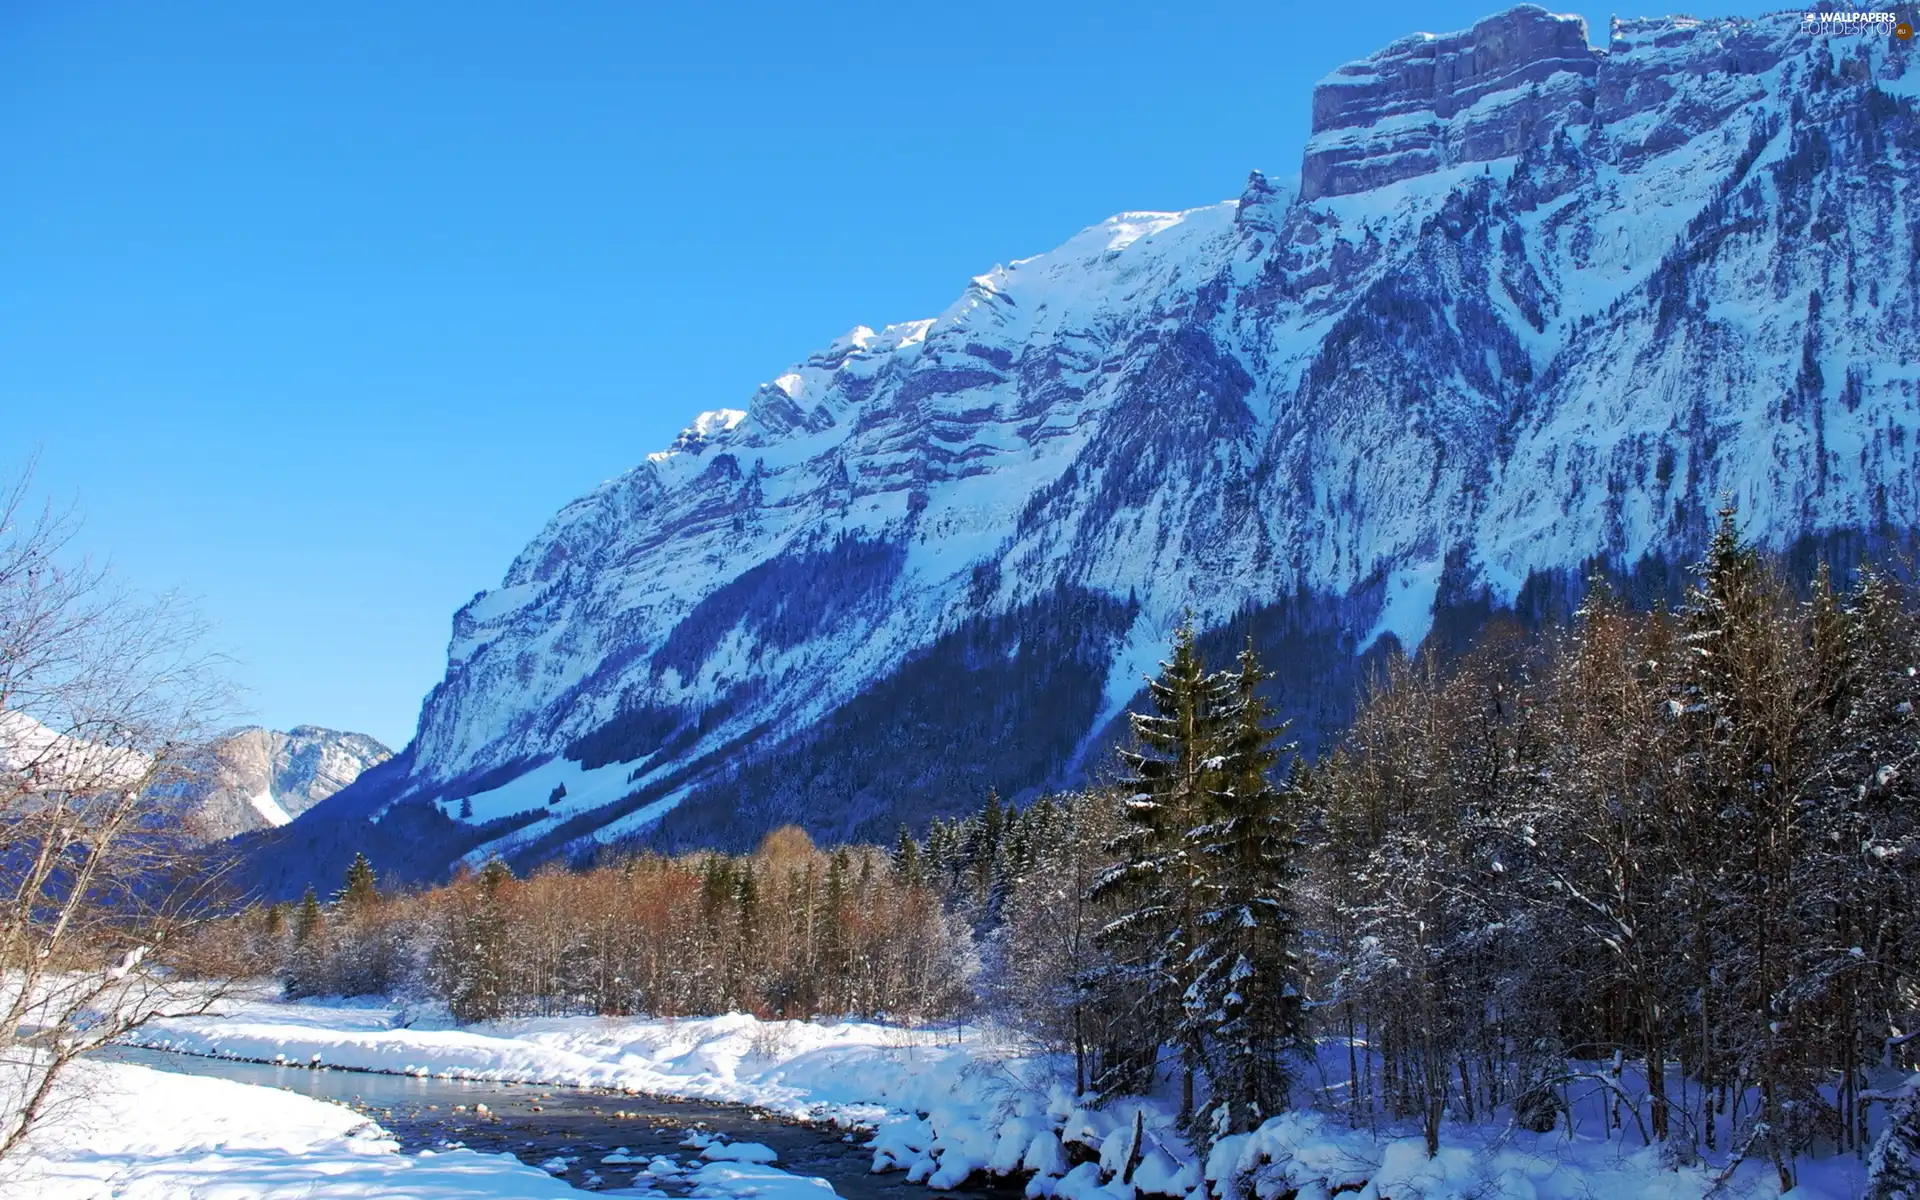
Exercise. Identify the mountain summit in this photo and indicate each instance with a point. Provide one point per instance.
(1534, 309)
(263, 778)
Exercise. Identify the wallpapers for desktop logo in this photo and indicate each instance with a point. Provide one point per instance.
(1859, 22)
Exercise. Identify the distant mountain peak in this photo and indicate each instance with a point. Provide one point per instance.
(258, 777)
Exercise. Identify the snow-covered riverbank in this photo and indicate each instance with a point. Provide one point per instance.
(142, 1132)
(852, 1072)
(132, 1133)
(947, 1103)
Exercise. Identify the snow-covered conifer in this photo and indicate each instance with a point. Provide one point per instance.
(1244, 1001)
(1171, 771)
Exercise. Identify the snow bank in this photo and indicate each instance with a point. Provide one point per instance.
(139, 1134)
(852, 1072)
(731, 1179)
(946, 1104)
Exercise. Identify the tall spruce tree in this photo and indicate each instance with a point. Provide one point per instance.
(984, 836)
(306, 962)
(1170, 777)
(906, 858)
(945, 859)
(306, 918)
(361, 890)
(1244, 1002)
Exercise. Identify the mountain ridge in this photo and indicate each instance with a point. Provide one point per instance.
(1533, 307)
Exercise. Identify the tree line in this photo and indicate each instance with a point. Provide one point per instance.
(789, 931)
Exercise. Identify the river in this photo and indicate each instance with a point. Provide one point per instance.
(539, 1124)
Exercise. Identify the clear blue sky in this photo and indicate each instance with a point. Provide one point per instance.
(320, 310)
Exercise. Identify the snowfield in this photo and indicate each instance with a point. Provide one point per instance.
(133, 1133)
(947, 1103)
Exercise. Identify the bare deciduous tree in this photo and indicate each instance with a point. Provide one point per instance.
(105, 697)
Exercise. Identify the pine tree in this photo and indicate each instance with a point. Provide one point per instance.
(716, 888)
(1016, 850)
(1031, 832)
(306, 918)
(361, 891)
(945, 856)
(1893, 1165)
(984, 836)
(364, 956)
(906, 858)
(711, 974)
(1170, 777)
(1244, 1003)
(495, 875)
(307, 962)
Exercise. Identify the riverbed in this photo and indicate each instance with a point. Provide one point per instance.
(571, 1132)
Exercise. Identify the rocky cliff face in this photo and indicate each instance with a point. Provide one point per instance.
(263, 778)
(1533, 307)
(1427, 103)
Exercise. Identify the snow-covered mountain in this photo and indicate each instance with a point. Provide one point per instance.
(1530, 306)
(263, 778)
(33, 756)
(246, 779)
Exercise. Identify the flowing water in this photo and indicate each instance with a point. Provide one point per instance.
(539, 1124)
